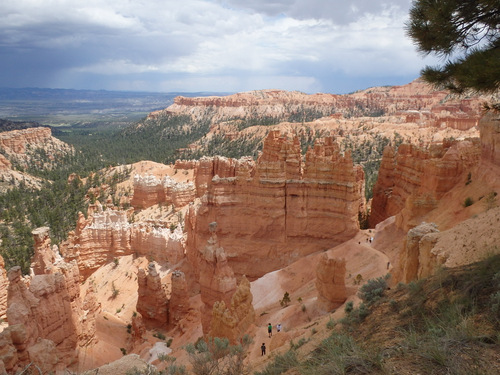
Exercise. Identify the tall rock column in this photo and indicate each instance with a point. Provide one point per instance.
(217, 280)
(179, 298)
(410, 257)
(152, 302)
(330, 281)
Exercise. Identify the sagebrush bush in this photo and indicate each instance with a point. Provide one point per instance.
(373, 290)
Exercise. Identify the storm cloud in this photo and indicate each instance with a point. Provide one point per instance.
(202, 45)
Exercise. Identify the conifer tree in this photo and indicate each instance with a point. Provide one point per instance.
(466, 34)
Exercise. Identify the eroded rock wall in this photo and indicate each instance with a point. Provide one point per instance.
(412, 181)
(280, 209)
(150, 190)
(107, 234)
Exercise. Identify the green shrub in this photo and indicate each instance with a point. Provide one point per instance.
(330, 324)
(281, 364)
(286, 300)
(468, 202)
(373, 290)
(340, 354)
(349, 306)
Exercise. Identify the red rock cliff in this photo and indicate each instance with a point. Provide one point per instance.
(107, 234)
(279, 210)
(416, 178)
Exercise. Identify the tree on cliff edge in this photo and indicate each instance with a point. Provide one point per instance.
(466, 33)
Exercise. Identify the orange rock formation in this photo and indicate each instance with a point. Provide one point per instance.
(107, 234)
(330, 281)
(232, 321)
(150, 190)
(152, 302)
(217, 280)
(277, 210)
(414, 179)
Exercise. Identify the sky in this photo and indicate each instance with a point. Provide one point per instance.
(330, 46)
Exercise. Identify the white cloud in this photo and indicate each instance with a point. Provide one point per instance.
(220, 42)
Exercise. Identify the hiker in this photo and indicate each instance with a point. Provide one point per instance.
(278, 327)
(270, 329)
(263, 349)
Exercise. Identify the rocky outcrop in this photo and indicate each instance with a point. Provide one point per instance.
(217, 280)
(4, 282)
(179, 298)
(413, 180)
(5, 164)
(107, 234)
(45, 255)
(412, 250)
(16, 141)
(150, 190)
(417, 100)
(330, 281)
(21, 144)
(44, 312)
(10, 338)
(152, 302)
(490, 138)
(232, 321)
(279, 209)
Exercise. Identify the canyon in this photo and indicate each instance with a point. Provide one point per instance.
(209, 247)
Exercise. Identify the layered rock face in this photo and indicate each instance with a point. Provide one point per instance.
(278, 210)
(152, 302)
(19, 144)
(107, 234)
(232, 321)
(438, 107)
(150, 190)
(416, 178)
(330, 281)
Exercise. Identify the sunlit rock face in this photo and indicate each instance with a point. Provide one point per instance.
(107, 234)
(330, 281)
(412, 180)
(232, 321)
(279, 209)
(150, 190)
(412, 256)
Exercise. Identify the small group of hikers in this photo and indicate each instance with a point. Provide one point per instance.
(270, 333)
